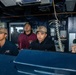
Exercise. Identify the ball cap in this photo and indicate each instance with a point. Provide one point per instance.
(3, 30)
(42, 29)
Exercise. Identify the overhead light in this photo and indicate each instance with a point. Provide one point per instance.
(25, 2)
(46, 1)
(9, 2)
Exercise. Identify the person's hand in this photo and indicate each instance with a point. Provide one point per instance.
(74, 49)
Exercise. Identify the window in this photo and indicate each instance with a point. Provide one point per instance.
(15, 30)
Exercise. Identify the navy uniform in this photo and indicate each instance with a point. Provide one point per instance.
(46, 45)
(6, 47)
(9, 48)
(43, 42)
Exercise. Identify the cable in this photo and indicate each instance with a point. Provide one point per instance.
(55, 10)
(57, 28)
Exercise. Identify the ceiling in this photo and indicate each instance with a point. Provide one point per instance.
(33, 9)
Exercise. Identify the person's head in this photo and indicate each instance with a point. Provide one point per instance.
(15, 30)
(41, 33)
(27, 28)
(3, 33)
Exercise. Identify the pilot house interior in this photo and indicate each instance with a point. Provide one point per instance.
(59, 18)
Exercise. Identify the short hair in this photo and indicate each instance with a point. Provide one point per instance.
(28, 24)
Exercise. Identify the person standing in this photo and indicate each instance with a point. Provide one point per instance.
(26, 37)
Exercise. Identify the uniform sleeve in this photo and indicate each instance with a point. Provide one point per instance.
(15, 50)
(32, 45)
(51, 44)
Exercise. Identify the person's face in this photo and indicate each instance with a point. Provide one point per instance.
(27, 28)
(2, 36)
(41, 36)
